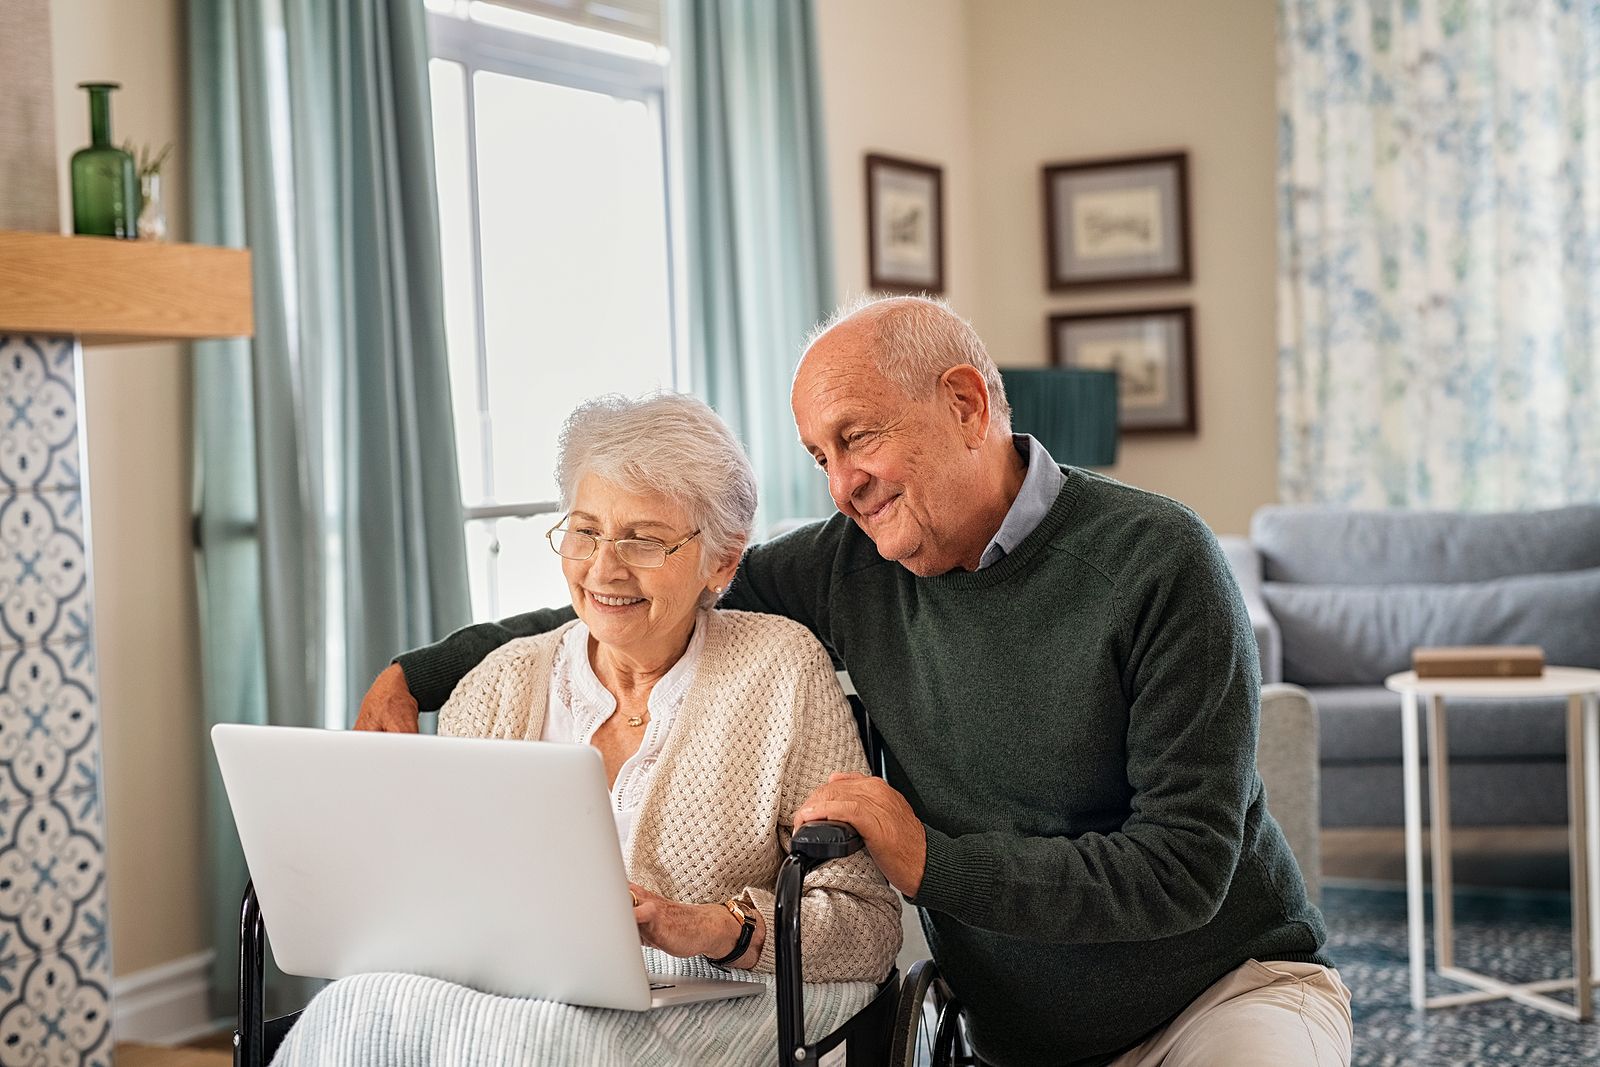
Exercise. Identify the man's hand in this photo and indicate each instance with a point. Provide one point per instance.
(892, 831)
(389, 706)
(685, 930)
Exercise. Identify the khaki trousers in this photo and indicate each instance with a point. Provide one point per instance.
(1272, 1014)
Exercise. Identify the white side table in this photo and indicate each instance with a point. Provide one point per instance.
(1579, 686)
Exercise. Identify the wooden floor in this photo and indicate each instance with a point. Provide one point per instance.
(1533, 857)
(130, 1055)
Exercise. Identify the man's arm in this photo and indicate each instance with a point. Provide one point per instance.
(791, 576)
(786, 576)
(422, 679)
(1190, 667)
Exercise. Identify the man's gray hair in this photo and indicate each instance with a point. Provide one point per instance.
(915, 339)
(667, 443)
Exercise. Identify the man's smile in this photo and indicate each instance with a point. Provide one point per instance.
(877, 511)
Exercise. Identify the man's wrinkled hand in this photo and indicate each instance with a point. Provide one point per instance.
(893, 834)
(389, 706)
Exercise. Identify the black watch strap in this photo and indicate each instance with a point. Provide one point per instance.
(746, 932)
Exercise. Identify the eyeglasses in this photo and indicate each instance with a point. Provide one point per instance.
(643, 552)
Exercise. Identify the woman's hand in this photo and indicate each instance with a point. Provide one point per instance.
(692, 929)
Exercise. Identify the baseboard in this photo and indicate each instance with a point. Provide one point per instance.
(165, 1005)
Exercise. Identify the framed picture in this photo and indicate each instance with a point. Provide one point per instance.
(905, 226)
(1152, 352)
(1117, 221)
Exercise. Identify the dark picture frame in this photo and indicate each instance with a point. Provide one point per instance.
(1122, 221)
(905, 225)
(1153, 352)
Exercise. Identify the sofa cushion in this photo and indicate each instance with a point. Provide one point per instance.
(1360, 634)
(1326, 545)
(1361, 724)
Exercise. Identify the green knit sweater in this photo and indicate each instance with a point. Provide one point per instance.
(1076, 727)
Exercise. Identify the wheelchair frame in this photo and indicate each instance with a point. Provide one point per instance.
(867, 1036)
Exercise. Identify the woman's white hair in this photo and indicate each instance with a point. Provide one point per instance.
(667, 443)
(915, 339)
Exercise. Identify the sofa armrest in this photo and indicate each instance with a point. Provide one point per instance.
(1246, 564)
(1287, 759)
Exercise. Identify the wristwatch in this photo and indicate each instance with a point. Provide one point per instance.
(743, 910)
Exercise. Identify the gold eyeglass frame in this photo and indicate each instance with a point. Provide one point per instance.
(667, 550)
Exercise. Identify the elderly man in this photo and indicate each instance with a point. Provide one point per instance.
(1066, 685)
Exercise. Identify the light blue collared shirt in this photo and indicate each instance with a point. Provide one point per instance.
(1040, 486)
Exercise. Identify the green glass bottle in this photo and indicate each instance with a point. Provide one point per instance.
(105, 188)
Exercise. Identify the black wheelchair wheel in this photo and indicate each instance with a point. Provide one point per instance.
(928, 1030)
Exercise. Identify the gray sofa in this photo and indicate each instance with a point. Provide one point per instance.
(1339, 598)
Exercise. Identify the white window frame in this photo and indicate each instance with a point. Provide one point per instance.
(479, 46)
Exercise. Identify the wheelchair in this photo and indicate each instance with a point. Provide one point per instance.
(915, 1023)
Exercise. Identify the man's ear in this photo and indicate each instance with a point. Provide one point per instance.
(968, 397)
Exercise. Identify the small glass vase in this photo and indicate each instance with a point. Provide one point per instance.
(105, 187)
(152, 210)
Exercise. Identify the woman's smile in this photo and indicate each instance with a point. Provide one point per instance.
(606, 602)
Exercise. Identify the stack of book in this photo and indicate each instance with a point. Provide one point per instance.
(1479, 661)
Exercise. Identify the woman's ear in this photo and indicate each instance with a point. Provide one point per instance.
(722, 576)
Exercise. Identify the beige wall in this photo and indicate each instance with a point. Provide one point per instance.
(1055, 80)
(138, 474)
(894, 81)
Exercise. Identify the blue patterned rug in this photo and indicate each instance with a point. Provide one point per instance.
(1512, 935)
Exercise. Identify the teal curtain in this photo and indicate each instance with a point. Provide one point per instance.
(328, 511)
(759, 260)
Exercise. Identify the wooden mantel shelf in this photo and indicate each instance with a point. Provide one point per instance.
(108, 291)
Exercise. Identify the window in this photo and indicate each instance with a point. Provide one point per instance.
(550, 149)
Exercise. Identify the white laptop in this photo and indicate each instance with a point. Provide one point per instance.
(494, 864)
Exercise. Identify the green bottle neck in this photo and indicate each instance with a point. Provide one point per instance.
(100, 117)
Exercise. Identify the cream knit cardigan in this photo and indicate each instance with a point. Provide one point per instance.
(764, 723)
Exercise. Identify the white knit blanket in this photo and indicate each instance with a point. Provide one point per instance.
(404, 1020)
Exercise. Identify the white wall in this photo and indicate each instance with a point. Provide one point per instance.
(1056, 80)
(139, 442)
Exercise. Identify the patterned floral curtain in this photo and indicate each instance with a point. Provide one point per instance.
(1439, 252)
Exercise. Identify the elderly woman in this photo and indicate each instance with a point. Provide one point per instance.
(714, 726)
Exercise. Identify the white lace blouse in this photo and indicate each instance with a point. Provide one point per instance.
(579, 704)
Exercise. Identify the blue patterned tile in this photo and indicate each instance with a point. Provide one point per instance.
(58, 1015)
(92, 958)
(48, 724)
(52, 876)
(38, 413)
(44, 588)
(14, 960)
(89, 941)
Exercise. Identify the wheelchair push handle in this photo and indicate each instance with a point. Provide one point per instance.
(821, 841)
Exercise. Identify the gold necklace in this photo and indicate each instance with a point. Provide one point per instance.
(635, 720)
